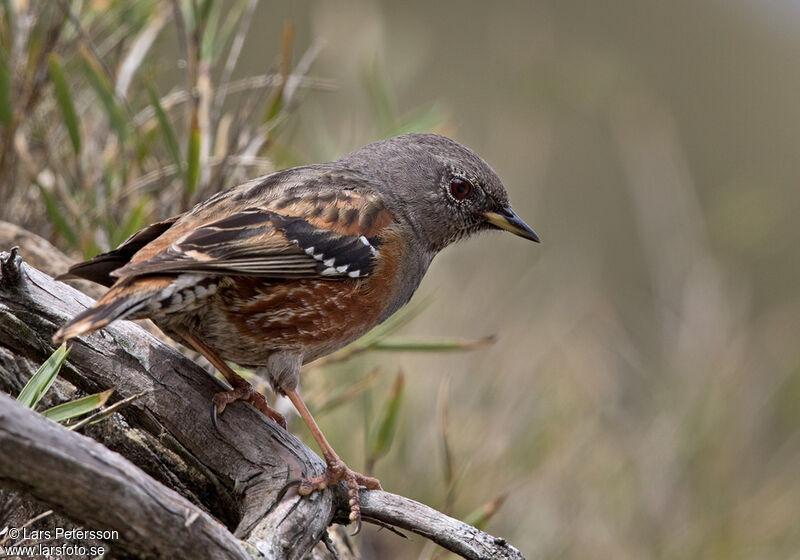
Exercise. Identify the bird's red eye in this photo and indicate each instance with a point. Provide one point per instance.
(460, 188)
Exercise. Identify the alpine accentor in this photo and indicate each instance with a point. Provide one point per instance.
(288, 267)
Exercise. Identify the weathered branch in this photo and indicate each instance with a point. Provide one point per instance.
(445, 531)
(233, 475)
(56, 465)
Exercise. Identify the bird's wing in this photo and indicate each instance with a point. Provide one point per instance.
(325, 233)
(100, 268)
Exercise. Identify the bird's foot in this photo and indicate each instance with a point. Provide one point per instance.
(244, 392)
(337, 471)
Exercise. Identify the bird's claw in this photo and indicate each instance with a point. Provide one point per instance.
(336, 471)
(244, 392)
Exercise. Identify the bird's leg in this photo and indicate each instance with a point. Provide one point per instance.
(336, 471)
(242, 390)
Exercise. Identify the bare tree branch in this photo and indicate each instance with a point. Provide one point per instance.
(57, 466)
(445, 531)
(234, 475)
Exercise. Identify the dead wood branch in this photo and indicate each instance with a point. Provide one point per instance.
(234, 476)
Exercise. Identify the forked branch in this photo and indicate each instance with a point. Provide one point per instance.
(177, 470)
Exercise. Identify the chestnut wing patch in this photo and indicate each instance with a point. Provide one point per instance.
(260, 242)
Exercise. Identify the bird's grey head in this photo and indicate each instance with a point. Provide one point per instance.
(444, 190)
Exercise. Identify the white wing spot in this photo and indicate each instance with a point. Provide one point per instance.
(366, 242)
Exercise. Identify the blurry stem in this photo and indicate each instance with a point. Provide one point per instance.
(205, 93)
(36, 171)
(183, 45)
(85, 39)
(295, 79)
(197, 91)
(276, 100)
(177, 97)
(193, 158)
(140, 47)
(233, 58)
(106, 412)
(481, 516)
(19, 25)
(447, 452)
(381, 343)
(387, 425)
(180, 23)
(169, 170)
(669, 215)
(346, 395)
(237, 134)
(28, 95)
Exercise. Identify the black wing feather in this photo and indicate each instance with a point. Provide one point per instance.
(235, 245)
(100, 269)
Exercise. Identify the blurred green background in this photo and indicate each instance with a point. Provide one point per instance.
(642, 399)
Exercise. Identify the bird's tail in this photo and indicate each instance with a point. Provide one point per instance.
(124, 299)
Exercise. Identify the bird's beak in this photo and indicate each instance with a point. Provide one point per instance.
(508, 220)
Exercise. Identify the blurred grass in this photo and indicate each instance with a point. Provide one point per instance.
(640, 400)
(87, 129)
(91, 79)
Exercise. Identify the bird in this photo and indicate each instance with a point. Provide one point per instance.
(291, 266)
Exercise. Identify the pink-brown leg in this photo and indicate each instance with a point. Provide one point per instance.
(336, 469)
(242, 390)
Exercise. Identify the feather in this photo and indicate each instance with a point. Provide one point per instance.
(299, 232)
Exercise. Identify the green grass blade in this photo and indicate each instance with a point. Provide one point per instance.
(97, 79)
(376, 335)
(448, 461)
(377, 89)
(106, 412)
(423, 120)
(203, 12)
(5, 92)
(57, 218)
(481, 516)
(78, 407)
(348, 394)
(394, 322)
(170, 138)
(193, 157)
(64, 100)
(40, 382)
(276, 105)
(8, 22)
(213, 43)
(135, 221)
(399, 344)
(388, 423)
